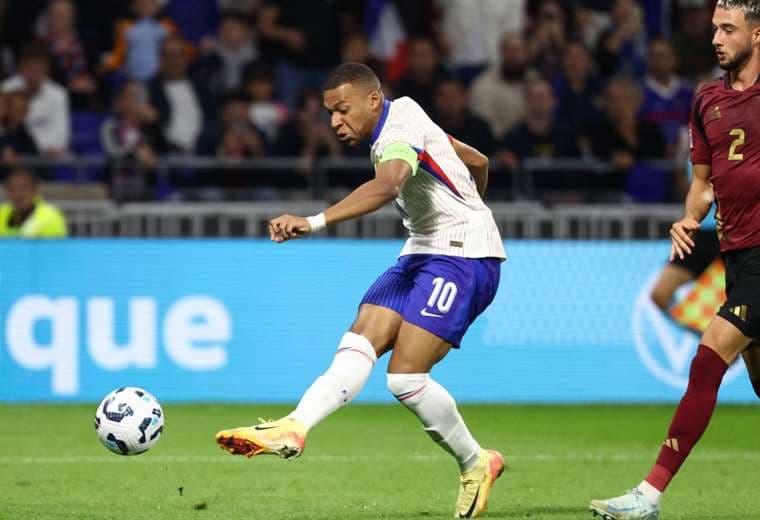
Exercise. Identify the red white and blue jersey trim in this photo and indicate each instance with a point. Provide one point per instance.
(428, 164)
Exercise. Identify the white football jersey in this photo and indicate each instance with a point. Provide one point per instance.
(440, 204)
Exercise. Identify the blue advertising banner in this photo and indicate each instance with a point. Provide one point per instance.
(248, 320)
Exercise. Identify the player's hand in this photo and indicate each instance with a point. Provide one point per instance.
(680, 237)
(287, 227)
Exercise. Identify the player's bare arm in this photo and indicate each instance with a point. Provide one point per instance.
(475, 161)
(367, 198)
(698, 202)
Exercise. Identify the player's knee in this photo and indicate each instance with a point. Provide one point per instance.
(756, 388)
(364, 341)
(352, 342)
(407, 386)
(381, 338)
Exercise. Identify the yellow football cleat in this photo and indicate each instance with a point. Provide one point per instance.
(475, 485)
(284, 437)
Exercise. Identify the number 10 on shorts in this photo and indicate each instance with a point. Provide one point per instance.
(443, 295)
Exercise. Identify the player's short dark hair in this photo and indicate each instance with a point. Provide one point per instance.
(356, 74)
(751, 8)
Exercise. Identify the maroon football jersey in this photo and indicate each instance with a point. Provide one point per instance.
(725, 134)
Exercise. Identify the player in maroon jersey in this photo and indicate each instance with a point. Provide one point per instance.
(725, 152)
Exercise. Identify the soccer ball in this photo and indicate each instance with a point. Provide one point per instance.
(129, 421)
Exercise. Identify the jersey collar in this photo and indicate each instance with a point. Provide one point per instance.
(381, 121)
(727, 81)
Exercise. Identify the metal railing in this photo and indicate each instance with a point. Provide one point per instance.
(237, 219)
(315, 179)
(522, 218)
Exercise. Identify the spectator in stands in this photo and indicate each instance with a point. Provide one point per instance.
(589, 22)
(48, 117)
(182, 104)
(130, 132)
(235, 136)
(693, 42)
(232, 138)
(27, 215)
(14, 137)
(496, 95)
(546, 40)
(621, 135)
(423, 73)
(131, 140)
(137, 47)
(667, 97)
(621, 49)
(539, 134)
(197, 20)
(304, 39)
(17, 22)
(577, 87)
(307, 135)
(452, 114)
(70, 62)
(223, 61)
(626, 140)
(98, 22)
(355, 49)
(266, 113)
(469, 32)
(247, 6)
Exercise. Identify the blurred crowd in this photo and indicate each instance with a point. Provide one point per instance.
(520, 80)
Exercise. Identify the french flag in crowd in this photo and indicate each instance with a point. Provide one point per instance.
(387, 36)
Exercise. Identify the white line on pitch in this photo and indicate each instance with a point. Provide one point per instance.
(416, 457)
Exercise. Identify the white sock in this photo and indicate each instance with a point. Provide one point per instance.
(341, 382)
(439, 415)
(650, 492)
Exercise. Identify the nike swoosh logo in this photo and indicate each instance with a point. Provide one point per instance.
(264, 427)
(425, 312)
(468, 514)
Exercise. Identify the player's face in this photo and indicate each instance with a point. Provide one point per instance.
(733, 38)
(353, 112)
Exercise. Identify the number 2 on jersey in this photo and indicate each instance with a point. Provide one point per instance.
(736, 143)
(443, 295)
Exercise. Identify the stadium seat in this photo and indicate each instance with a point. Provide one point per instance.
(85, 140)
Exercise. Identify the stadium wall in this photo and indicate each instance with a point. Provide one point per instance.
(246, 320)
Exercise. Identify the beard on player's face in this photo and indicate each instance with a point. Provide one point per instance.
(737, 60)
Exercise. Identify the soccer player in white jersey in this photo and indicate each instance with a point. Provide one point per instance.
(445, 276)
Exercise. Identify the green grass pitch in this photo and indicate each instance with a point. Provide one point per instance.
(369, 462)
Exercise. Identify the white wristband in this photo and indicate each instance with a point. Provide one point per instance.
(317, 222)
